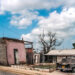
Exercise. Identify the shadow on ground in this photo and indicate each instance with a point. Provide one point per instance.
(68, 72)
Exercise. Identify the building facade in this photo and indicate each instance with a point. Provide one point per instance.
(12, 51)
(36, 58)
(55, 56)
(29, 55)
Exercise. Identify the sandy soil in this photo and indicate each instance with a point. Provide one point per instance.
(31, 72)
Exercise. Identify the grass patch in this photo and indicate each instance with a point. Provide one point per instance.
(45, 66)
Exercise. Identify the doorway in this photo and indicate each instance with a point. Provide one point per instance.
(16, 57)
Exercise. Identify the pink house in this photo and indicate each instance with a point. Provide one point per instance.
(12, 51)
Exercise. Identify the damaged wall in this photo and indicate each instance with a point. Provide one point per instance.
(3, 55)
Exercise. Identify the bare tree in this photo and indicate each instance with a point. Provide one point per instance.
(49, 41)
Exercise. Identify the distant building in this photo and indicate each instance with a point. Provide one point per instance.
(55, 56)
(29, 55)
(36, 58)
(12, 51)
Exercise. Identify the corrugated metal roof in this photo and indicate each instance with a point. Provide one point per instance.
(61, 52)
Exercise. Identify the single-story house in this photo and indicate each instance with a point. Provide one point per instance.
(12, 51)
(57, 55)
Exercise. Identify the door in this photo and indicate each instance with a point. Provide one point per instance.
(16, 57)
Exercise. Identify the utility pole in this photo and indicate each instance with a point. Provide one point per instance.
(43, 48)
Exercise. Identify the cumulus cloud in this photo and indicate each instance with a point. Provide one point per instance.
(24, 19)
(59, 22)
(25, 7)
(1, 12)
(26, 10)
(62, 24)
(18, 5)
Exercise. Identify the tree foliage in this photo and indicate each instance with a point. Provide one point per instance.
(73, 45)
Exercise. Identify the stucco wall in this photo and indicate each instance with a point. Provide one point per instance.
(11, 45)
(3, 57)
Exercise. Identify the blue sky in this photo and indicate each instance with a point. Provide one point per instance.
(27, 18)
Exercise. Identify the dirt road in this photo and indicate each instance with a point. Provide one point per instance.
(13, 71)
(61, 73)
(53, 73)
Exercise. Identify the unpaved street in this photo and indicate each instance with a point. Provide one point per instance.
(53, 73)
(61, 73)
(13, 71)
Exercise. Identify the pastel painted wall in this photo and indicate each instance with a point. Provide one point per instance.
(11, 45)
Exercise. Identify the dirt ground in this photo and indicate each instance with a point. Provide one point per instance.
(61, 73)
(9, 71)
(53, 73)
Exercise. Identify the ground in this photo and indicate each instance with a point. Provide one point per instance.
(62, 73)
(14, 71)
(53, 73)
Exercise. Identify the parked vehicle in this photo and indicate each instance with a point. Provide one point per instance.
(67, 64)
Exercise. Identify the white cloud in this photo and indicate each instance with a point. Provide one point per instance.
(21, 23)
(69, 3)
(59, 22)
(1, 12)
(25, 19)
(18, 5)
(63, 24)
(25, 9)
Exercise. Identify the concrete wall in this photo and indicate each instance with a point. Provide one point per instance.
(3, 57)
(11, 45)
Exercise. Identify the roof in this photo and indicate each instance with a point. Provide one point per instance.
(17, 40)
(61, 52)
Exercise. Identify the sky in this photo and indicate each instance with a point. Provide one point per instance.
(28, 18)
